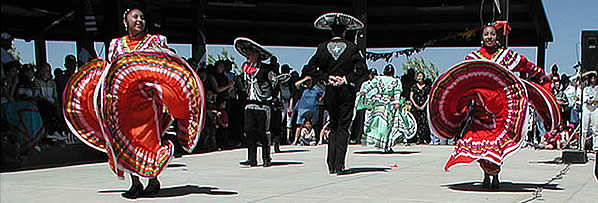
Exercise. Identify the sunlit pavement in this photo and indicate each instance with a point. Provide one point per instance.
(299, 174)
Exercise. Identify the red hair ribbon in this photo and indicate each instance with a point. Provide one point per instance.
(502, 24)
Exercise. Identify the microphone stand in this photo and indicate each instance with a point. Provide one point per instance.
(578, 156)
(580, 84)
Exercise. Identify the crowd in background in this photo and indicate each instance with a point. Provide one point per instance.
(31, 104)
(32, 114)
(575, 95)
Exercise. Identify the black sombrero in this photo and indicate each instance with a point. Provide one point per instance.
(326, 21)
(242, 45)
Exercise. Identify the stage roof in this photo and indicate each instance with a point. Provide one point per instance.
(279, 22)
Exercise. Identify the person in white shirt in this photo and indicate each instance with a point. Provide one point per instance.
(590, 107)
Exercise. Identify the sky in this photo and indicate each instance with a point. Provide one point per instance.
(566, 18)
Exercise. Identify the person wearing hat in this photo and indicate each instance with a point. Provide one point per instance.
(8, 52)
(340, 63)
(260, 81)
(7, 48)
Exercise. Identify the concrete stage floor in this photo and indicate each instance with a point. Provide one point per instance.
(299, 174)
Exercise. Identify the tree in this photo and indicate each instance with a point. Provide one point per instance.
(419, 64)
(223, 55)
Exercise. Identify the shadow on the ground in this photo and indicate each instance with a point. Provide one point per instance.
(382, 152)
(176, 165)
(363, 170)
(292, 151)
(504, 187)
(286, 163)
(274, 163)
(547, 162)
(177, 191)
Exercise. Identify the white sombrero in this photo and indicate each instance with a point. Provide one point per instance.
(325, 22)
(242, 45)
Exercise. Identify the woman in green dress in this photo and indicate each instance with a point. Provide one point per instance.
(386, 122)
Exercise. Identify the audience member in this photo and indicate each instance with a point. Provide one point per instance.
(62, 77)
(561, 98)
(47, 102)
(306, 107)
(590, 106)
(10, 81)
(308, 135)
(324, 134)
(551, 140)
(419, 99)
(8, 52)
(408, 80)
(23, 113)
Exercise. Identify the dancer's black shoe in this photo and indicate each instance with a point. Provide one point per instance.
(133, 192)
(152, 187)
(250, 163)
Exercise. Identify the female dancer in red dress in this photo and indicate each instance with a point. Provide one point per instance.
(486, 107)
(123, 107)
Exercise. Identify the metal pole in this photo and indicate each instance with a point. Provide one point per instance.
(507, 18)
(582, 137)
(40, 51)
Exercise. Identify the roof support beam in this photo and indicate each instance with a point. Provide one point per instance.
(360, 10)
(198, 41)
(40, 51)
(541, 55)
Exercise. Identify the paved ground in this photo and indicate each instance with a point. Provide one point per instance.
(300, 175)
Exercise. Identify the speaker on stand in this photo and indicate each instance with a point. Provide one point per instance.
(589, 50)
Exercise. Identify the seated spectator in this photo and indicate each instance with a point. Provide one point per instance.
(25, 88)
(23, 113)
(572, 138)
(551, 140)
(47, 101)
(308, 135)
(10, 81)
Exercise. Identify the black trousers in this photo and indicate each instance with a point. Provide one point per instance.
(256, 126)
(339, 102)
(276, 127)
(357, 125)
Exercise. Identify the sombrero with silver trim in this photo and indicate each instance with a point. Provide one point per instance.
(325, 22)
(242, 45)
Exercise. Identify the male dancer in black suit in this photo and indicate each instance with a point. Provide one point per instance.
(340, 63)
(260, 81)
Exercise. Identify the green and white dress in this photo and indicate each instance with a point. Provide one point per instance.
(384, 125)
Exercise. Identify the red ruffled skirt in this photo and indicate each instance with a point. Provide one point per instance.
(485, 106)
(136, 99)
